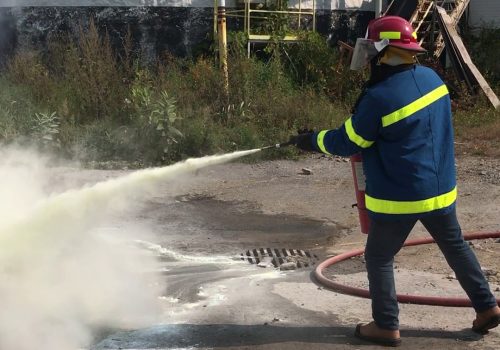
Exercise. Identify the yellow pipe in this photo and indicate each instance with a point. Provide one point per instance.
(300, 10)
(310, 13)
(221, 21)
(215, 19)
(314, 15)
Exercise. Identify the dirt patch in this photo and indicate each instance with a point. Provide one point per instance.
(205, 221)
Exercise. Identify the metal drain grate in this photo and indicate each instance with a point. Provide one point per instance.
(278, 257)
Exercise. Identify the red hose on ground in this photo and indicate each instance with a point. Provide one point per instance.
(407, 298)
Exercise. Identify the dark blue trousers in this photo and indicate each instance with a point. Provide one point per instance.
(386, 239)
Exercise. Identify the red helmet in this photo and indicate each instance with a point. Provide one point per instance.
(397, 30)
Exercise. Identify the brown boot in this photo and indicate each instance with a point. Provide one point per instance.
(486, 320)
(374, 334)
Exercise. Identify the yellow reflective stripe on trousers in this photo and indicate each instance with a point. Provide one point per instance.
(383, 206)
(319, 140)
(354, 137)
(390, 35)
(415, 106)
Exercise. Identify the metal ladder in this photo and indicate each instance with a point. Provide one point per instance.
(425, 22)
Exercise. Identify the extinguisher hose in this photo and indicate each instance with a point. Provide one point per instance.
(402, 298)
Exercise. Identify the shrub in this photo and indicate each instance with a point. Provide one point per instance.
(313, 62)
(484, 45)
(93, 78)
(45, 129)
(27, 69)
(87, 102)
(16, 111)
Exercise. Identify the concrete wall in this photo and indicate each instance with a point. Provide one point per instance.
(361, 5)
(182, 31)
(181, 27)
(484, 12)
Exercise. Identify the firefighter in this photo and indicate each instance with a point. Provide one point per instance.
(402, 127)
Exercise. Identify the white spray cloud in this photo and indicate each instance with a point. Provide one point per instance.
(60, 275)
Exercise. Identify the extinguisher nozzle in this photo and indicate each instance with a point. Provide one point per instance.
(278, 145)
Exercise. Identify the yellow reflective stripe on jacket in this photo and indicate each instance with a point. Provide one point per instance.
(354, 137)
(390, 35)
(320, 141)
(415, 106)
(415, 207)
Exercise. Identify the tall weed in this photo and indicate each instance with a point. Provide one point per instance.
(484, 46)
(28, 69)
(95, 82)
(87, 101)
(16, 111)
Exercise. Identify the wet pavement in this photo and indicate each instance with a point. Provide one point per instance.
(214, 299)
(214, 296)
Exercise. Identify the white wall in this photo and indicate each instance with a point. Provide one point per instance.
(364, 5)
(484, 12)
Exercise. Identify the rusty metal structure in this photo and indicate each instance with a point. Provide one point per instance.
(424, 20)
(423, 15)
(436, 22)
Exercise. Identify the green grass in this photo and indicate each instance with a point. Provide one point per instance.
(478, 130)
(81, 100)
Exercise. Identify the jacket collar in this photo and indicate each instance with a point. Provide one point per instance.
(380, 72)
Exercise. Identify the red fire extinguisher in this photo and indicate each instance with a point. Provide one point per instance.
(359, 186)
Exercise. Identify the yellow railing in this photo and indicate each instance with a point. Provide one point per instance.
(253, 11)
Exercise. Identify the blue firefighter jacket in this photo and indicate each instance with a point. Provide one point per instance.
(402, 127)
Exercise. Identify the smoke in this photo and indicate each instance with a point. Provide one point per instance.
(62, 273)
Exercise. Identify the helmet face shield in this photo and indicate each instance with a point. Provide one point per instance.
(382, 32)
(365, 50)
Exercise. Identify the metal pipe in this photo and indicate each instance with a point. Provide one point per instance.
(314, 15)
(278, 145)
(378, 8)
(286, 12)
(221, 22)
(300, 11)
(215, 19)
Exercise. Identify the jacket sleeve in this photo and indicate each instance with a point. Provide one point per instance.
(358, 132)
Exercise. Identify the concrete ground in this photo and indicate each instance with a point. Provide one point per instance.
(215, 300)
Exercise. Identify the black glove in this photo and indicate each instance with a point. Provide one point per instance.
(303, 140)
